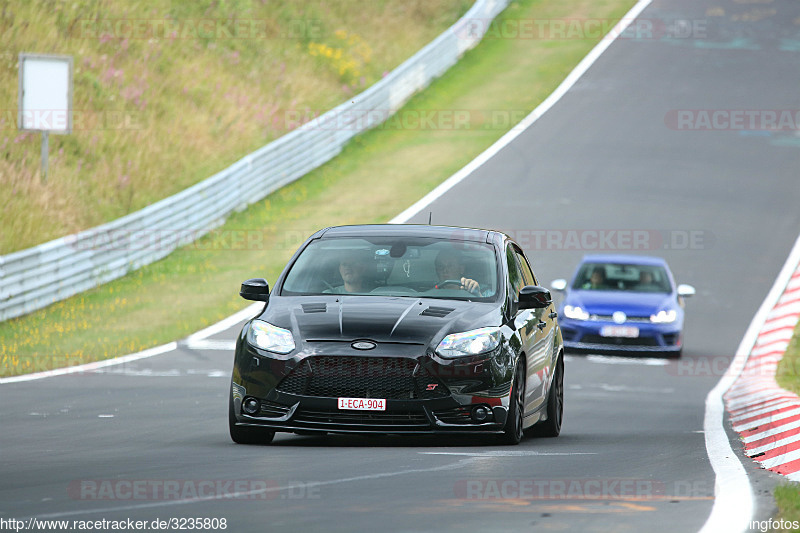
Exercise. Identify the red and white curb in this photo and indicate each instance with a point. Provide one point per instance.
(766, 416)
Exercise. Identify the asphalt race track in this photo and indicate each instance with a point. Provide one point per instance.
(148, 440)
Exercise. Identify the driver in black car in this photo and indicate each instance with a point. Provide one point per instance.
(450, 271)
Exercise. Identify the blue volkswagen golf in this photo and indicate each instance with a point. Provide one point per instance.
(622, 303)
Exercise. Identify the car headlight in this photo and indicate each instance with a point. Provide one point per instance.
(664, 317)
(473, 342)
(269, 337)
(575, 313)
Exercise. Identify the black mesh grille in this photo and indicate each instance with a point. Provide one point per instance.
(619, 341)
(362, 377)
(356, 419)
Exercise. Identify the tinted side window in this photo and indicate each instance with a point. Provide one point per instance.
(527, 273)
(514, 273)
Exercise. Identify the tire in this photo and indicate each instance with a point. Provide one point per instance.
(246, 435)
(512, 434)
(555, 406)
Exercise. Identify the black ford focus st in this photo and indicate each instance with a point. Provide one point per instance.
(400, 329)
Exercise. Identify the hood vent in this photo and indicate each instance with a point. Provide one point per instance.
(438, 312)
(315, 307)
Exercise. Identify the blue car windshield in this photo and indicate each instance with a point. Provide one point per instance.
(622, 277)
(396, 266)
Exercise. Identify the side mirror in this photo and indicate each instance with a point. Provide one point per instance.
(534, 297)
(685, 290)
(256, 289)
(559, 285)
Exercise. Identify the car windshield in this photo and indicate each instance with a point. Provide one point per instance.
(622, 277)
(396, 266)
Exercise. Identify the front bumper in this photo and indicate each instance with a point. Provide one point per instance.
(290, 413)
(586, 335)
(423, 394)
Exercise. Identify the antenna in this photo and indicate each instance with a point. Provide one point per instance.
(430, 217)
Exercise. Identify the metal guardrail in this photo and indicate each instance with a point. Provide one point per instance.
(37, 277)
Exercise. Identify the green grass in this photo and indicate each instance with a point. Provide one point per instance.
(787, 498)
(378, 175)
(788, 373)
(155, 115)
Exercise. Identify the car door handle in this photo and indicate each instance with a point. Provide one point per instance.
(541, 325)
(553, 315)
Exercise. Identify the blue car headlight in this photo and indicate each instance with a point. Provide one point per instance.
(474, 342)
(664, 317)
(271, 338)
(575, 313)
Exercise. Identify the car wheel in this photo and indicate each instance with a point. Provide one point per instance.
(246, 435)
(555, 406)
(512, 433)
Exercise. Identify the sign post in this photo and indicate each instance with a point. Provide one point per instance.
(45, 97)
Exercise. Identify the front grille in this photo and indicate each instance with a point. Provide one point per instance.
(392, 378)
(619, 341)
(610, 318)
(361, 419)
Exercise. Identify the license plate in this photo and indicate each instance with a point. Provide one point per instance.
(630, 332)
(363, 404)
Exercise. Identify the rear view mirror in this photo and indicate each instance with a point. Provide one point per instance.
(256, 289)
(685, 290)
(534, 297)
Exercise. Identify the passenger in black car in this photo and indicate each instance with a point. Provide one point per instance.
(354, 270)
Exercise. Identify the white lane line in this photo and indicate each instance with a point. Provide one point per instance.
(612, 360)
(252, 494)
(90, 367)
(540, 110)
(733, 502)
(505, 453)
(210, 344)
(195, 341)
(226, 323)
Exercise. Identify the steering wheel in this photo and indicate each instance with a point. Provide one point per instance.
(442, 284)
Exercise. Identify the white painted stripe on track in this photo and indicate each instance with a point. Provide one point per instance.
(89, 367)
(540, 110)
(733, 502)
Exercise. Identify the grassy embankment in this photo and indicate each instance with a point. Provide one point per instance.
(198, 285)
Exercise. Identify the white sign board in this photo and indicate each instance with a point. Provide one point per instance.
(45, 93)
